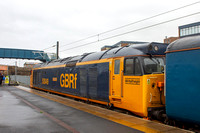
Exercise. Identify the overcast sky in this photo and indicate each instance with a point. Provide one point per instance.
(38, 24)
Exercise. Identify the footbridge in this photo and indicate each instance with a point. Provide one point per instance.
(24, 54)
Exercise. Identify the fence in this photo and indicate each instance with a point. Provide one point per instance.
(22, 79)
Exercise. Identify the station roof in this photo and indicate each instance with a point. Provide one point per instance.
(189, 25)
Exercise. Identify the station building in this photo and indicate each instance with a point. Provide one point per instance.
(189, 30)
(10, 70)
(170, 39)
(3, 69)
(29, 64)
(185, 31)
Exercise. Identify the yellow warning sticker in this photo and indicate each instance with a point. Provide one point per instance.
(148, 81)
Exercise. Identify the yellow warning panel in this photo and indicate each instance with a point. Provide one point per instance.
(7, 80)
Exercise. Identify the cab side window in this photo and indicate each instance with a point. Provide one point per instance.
(137, 68)
(132, 67)
(129, 67)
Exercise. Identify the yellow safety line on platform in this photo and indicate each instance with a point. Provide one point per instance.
(144, 126)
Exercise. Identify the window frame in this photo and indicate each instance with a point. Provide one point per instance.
(140, 66)
(143, 65)
(119, 67)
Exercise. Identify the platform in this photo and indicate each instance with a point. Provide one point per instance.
(26, 110)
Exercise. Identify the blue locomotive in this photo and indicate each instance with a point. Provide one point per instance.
(183, 80)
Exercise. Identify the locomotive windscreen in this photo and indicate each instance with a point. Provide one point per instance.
(153, 65)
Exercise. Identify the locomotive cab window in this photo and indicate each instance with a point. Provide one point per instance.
(132, 67)
(153, 65)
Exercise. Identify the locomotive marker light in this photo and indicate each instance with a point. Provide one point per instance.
(68, 80)
(156, 48)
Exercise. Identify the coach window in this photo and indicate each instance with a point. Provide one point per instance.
(117, 66)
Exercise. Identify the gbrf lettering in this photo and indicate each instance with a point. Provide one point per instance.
(68, 80)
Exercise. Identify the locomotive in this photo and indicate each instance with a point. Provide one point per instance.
(130, 78)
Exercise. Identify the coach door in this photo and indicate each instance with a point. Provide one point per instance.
(116, 78)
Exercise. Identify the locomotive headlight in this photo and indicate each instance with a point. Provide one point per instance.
(156, 48)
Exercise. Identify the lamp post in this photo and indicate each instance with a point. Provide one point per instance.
(15, 71)
(57, 52)
(57, 49)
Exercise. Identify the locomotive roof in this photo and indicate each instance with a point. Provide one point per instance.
(136, 49)
(184, 44)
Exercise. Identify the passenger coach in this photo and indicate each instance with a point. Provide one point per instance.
(182, 80)
(128, 77)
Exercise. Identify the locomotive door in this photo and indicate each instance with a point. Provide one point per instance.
(116, 78)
